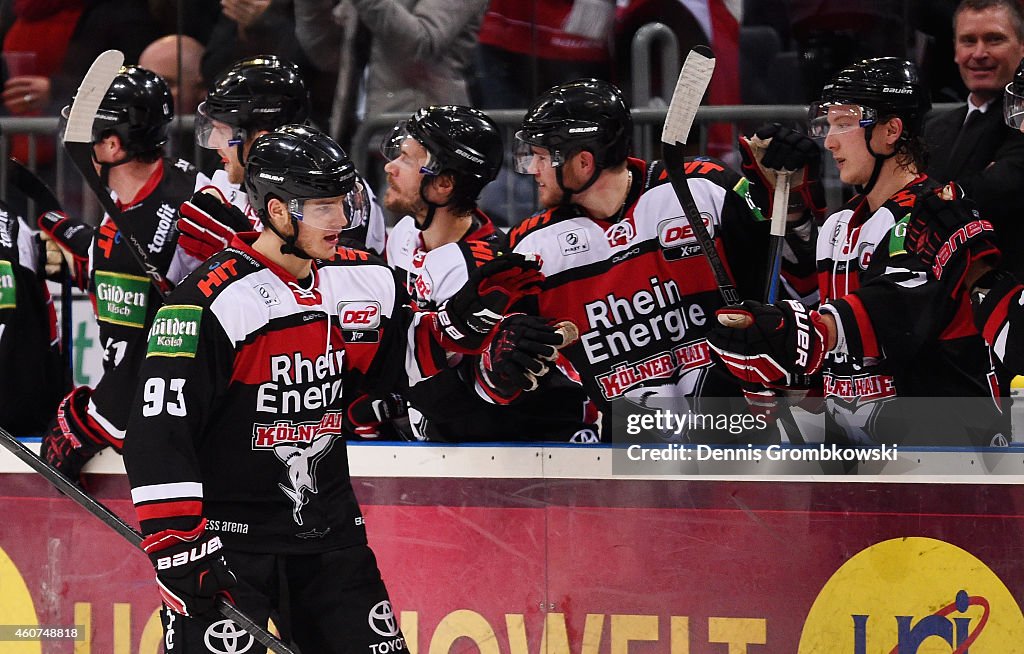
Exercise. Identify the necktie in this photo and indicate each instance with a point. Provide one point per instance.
(965, 140)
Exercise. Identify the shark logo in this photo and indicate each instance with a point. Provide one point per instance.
(301, 464)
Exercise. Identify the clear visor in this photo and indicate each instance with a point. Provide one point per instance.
(213, 134)
(333, 214)
(528, 162)
(1013, 106)
(828, 118)
(401, 144)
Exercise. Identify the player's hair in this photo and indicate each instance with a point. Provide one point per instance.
(1012, 7)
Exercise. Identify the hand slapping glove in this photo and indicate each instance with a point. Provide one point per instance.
(207, 222)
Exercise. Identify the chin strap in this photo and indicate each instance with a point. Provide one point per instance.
(879, 162)
(106, 166)
(432, 207)
(288, 246)
(567, 193)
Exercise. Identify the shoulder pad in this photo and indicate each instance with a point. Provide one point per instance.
(539, 220)
(215, 274)
(478, 252)
(347, 256)
(703, 167)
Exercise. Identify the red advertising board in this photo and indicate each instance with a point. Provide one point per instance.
(602, 566)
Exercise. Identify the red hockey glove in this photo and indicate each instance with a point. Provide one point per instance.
(947, 233)
(467, 319)
(190, 569)
(69, 240)
(518, 356)
(74, 438)
(780, 345)
(208, 222)
(776, 148)
(367, 414)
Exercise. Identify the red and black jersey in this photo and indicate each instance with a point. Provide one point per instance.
(242, 394)
(903, 333)
(123, 298)
(640, 290)
(32, 381)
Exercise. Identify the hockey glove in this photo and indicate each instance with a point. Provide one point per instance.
(208, 222)
(68, 240)
(776, 148)
(467, 319)
(944, 226)
(190, 569)
(74, 438)
(999, 315)
(518, 356)
(779, 346)
(367, 414)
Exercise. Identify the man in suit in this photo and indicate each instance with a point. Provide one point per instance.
(971, 144)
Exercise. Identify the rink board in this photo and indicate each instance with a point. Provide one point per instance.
(556, 555)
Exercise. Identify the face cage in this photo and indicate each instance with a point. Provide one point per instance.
(213, 134)
(834, 118)
(523, 155)
(391, 148)
(1013, 106)
(355, 206)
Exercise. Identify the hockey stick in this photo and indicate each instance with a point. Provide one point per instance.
(112, 520)
(28, 184)
(690, 87)
(78, 143)
(780, 206)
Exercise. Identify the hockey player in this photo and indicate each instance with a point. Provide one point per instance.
(621, 261)
(891, 331)
(32, 384)
(438, 162)
(238, 471)
(254, 96)
(129, 132)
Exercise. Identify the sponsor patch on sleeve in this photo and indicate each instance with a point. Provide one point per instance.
(8, 290)
(175, 331)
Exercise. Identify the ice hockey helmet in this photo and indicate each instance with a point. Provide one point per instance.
(889, 85)
(138, 108)
(459, 139)
(263, 92)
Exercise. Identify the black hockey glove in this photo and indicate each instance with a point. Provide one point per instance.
(999, 316)
(367, 414)
(191, 572)
(947, 234)
(780, 344)
(777, 148)
(207, 223)
(73, 438)
(518, 356)
(66, 239)
(468, 318)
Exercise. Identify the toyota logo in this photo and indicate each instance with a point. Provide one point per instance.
(382, 619)
(225, 637)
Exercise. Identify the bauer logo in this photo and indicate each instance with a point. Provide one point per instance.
(912, 596)
(8, 291)
(359, 315)
(574, 241)
(273, 178)
(175, 331)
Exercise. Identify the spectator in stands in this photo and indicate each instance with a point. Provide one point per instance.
(161, 57)
(419, 55)
(970, 144)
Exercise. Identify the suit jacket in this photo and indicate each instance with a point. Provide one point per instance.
(989, 165)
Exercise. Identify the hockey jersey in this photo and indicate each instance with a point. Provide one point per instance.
(909, 366)
(641, 291)
(123, 298)
(32, 381)
(243, 391)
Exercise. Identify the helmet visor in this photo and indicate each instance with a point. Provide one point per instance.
(213, 134)
(527, 161)
(832, 118)
(333, 214)
(401, 144)
(1013, 106)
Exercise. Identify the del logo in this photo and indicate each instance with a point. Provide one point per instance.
(175, 331)
(913, 596)
(677, 238)
(359, 315)
(573, 241)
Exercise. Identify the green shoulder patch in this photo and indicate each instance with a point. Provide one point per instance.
(8, 290)
(175, 331)
(742, 189)
(899, 235)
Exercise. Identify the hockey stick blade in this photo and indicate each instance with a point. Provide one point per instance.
(112, 520)
(78, 143)
(690, 87)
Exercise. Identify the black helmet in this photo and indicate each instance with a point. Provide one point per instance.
(138, 108)
(1013, 99)
(888, 86)
(458, 139)
(263, 92)
(587, 114)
